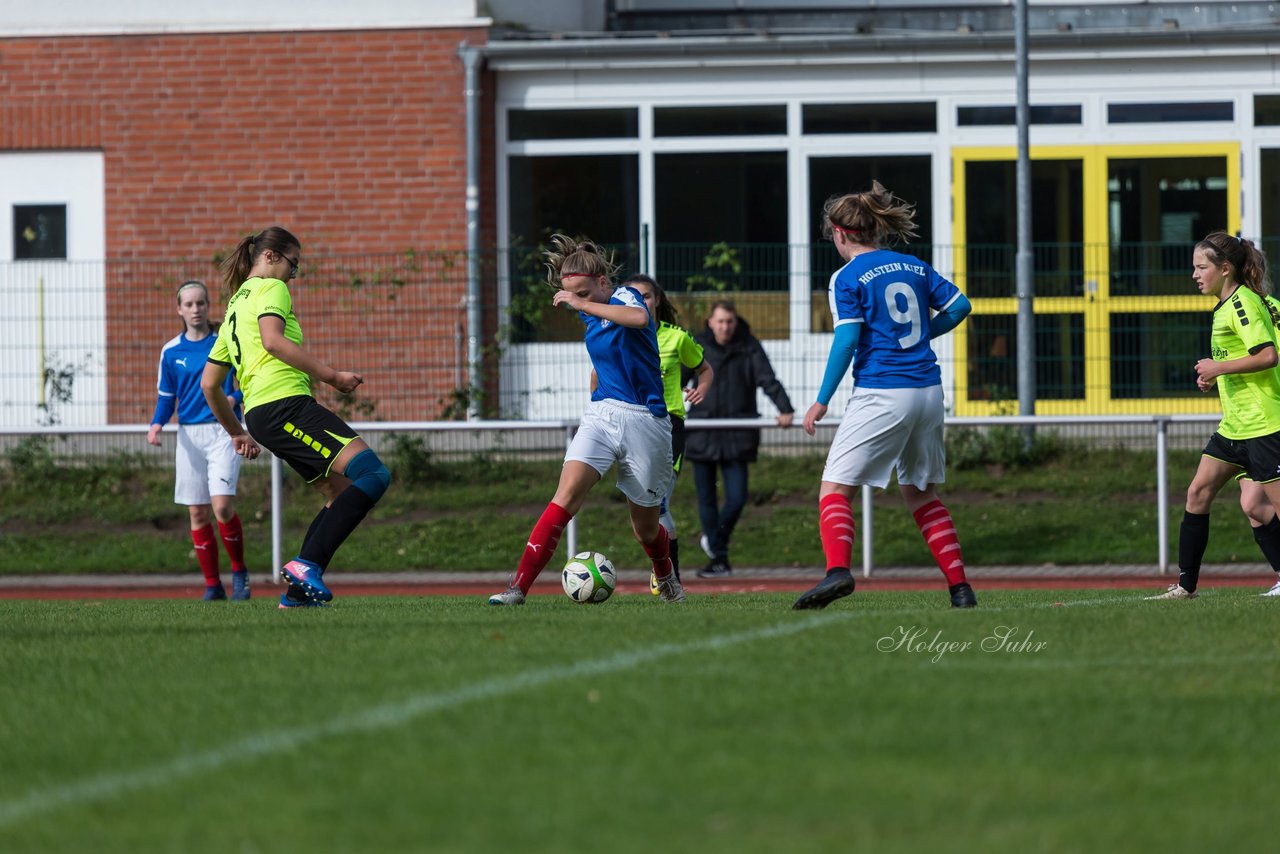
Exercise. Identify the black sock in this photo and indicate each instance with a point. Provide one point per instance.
(1193, 539)
(346, 511)
(673, 549)
(1268, 539)
(315, 526)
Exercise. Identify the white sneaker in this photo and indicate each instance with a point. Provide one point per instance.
(705, 542)
(669, 589)
(510, 596)
(1175, 591)
(1274, 591)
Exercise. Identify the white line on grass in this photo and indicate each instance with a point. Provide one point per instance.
(108, 785)
(111, 784)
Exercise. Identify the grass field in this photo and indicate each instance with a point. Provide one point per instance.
(728, 724)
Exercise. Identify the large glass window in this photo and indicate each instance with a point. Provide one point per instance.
(591, 195)
(1158, 208)
(1269, 203)
(1057, 227)
(992, 357)
(721, 230)
(908, 177)
(1151, 354)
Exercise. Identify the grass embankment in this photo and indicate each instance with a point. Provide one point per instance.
(1061, 505)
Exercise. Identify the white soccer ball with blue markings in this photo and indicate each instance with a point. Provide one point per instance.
(589, 578)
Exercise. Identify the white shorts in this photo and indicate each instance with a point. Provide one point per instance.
(887, 429)
(632, 437)
(206, 464)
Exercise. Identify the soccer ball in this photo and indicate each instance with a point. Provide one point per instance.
(589, 578)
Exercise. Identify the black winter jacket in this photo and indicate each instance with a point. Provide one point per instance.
(740, 367)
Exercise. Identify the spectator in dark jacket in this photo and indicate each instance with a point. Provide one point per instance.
(740, 366)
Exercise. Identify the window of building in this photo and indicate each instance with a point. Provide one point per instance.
(720, 121)
(1053, 114)
(596, 196)
(1192, 111)
(1266, 110)
(1158, 207)
(907, 177)
(993, 366)
(39, 232)
(1150, 352)
(721, 232)
(1057, 227)
(910, 117)
(572, 124)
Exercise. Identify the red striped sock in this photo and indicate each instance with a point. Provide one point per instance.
(206, 554)
(233, 541)
(542, 544)
(939, 534)
(659, 551)
(835, 525)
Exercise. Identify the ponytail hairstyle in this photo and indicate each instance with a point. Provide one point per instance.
(570, 257)
(1248, 263)
(663, 308)
(872, 217)
(236, 266)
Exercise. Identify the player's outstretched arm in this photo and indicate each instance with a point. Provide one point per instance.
(211, 384)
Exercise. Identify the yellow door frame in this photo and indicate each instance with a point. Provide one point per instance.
(1096, 303)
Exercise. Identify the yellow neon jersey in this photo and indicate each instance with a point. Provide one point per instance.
(676, 349)
(263, 377)
(1250, 402)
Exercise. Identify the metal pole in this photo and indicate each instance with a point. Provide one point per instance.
(471, 93)
(277, 518)
(1162, 491)
(1023, 260)
(866, 531)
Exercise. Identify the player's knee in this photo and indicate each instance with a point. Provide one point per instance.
(368, 474)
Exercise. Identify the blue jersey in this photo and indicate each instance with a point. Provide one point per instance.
(891, 295)
(626, 360)
(178, 385)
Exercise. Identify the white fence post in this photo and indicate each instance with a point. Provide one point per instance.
(277, 518)
(867, 530)
(1162, 492)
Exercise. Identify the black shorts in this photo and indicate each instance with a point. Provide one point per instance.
(301, 432)
(1259, 457)
(677, 442)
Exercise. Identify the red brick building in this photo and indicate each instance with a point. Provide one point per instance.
(352, 139)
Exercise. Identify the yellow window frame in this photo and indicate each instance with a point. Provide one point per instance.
(1097, 305)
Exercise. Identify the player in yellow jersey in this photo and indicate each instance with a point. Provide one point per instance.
(1243, 343)
(262, 340)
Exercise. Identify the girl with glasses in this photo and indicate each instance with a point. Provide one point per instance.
(263, 343)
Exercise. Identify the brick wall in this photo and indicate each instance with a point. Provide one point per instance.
(354, 141)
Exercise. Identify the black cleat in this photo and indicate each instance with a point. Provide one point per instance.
(718, 568)
(962, 596)
(837, 585)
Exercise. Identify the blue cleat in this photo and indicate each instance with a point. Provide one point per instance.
(240, 586)
(215, 593)
(296, 597)
(308, 576)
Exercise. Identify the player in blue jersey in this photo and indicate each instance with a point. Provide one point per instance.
(626, 422)
(887, 308)
(207, 466)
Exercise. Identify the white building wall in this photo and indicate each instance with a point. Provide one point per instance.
(54, 310)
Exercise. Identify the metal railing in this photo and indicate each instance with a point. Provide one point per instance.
(1159, 424)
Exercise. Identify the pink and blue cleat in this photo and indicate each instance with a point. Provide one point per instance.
(309, 577)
